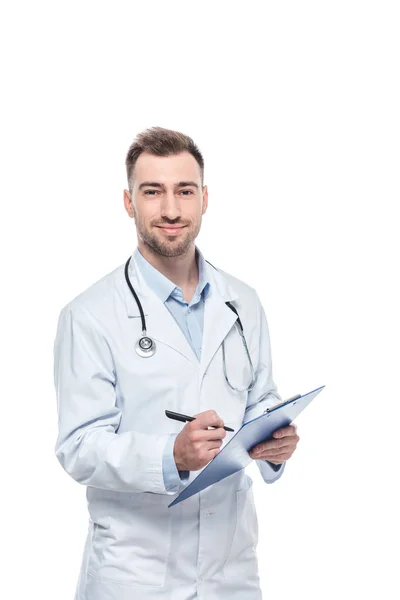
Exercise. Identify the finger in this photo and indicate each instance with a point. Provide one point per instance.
(275, 444)
(208, 418)
(276, 453)
(213, 434)
(276, 456)
(214, 444)
(285, 431)
(204, 435)
(211, 451)
(271, 453)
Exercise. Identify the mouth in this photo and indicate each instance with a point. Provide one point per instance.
(172, 229)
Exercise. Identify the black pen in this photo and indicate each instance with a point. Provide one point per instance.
(184, 418)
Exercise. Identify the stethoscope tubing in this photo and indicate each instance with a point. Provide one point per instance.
(139, 304)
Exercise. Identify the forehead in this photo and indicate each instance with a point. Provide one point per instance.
(166, 169)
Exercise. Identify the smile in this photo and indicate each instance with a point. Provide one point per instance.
(171, 230)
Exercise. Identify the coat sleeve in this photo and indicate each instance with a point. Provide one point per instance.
(264, 394)
(88, 445)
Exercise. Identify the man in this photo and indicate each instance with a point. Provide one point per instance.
(114, 436)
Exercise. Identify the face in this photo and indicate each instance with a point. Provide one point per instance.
(167, 191)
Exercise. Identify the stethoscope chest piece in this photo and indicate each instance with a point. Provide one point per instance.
(145, 347)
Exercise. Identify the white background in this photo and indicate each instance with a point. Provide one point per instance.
(295, 107)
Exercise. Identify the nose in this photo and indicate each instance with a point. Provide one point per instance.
(170, 206)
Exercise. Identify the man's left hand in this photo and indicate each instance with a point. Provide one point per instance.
(279, 448)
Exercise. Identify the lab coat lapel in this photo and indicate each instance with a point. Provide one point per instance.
(218, 317)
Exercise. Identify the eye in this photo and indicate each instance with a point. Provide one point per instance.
(150, 192)
(188, 192)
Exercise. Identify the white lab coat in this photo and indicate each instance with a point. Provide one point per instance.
(113, 430)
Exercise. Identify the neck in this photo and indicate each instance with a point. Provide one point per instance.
(181, 270)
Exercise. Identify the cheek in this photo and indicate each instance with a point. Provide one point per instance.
(146, 211)
(196, 220)
(148, 219)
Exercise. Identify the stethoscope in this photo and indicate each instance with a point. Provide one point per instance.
(146, 346)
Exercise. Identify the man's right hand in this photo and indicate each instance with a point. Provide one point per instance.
(196, 445)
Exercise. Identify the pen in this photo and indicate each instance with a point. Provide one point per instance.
(184, 418)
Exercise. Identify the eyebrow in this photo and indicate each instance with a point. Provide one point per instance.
(161, 186)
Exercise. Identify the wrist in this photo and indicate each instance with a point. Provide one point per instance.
(178, 463)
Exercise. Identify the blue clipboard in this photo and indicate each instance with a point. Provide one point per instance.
(234, 456)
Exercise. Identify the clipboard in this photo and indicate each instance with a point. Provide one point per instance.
(234, 456)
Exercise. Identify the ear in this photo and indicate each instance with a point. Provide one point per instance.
(128, 203)
(205, 199)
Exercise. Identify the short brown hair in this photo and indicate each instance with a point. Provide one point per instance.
(161, 142)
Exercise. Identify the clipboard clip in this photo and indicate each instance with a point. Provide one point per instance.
(296, 397)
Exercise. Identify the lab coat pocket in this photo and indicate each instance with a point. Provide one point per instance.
(242, 557)
(131, 544)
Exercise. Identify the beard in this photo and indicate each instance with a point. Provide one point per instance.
(169, 246)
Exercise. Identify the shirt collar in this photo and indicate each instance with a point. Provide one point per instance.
(163, 286)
